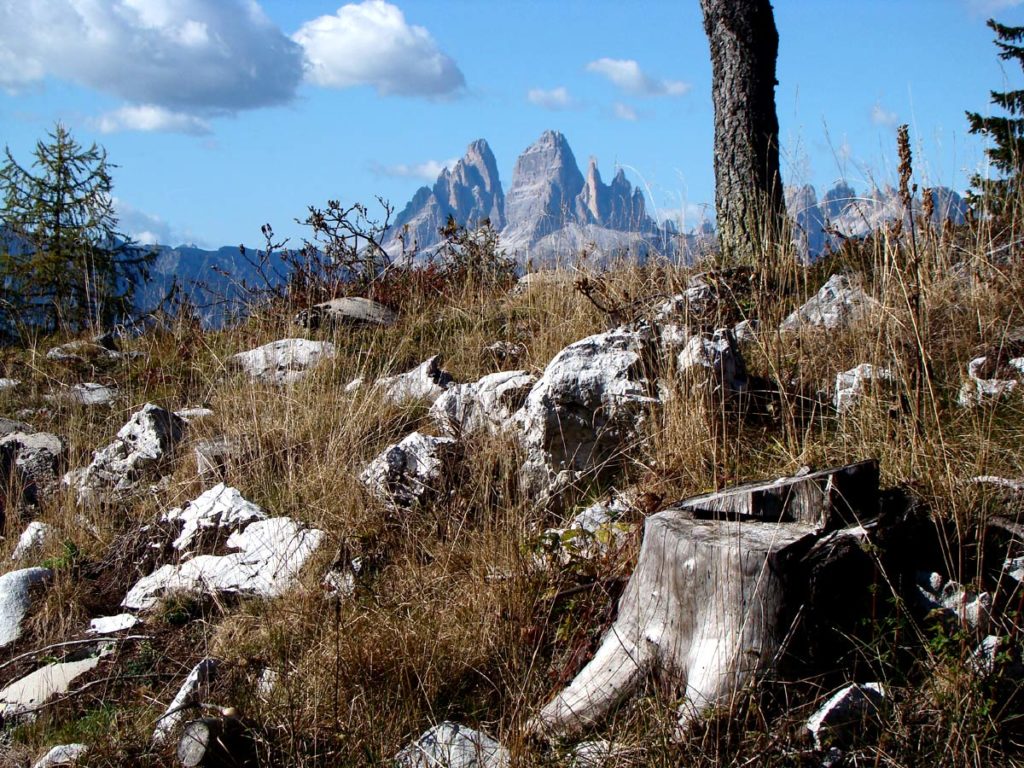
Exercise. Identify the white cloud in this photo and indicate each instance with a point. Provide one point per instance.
(149, 117)
(554, 99)
(144, 228)
(370, 43)
(627, 75)
(428, 170)
(624, 111)
(883, 117)
(201, 57)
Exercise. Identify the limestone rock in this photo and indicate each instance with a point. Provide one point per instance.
(965, 606)
(504, 351)
(585, 409)
(90, 393)
(411, 471)
(843, 719)
(16, 592)
(691, 308)
(450, 745)
(108, 625)
(215, 455)
(31, 539)
(177, 713)
(854, 384)
(24, 697)
(987, 381)
(545, 278)
(486, 405)
(591, 534)
(285, 361)
(426, 382)
(713, 362)
(836, 304)
(8, 384)
(35, 459)
(193, 414)
(9, 426)
(140, 446)
(103, 348)
(270, 555)
(350, 310)
(62, 755)
(221, 507)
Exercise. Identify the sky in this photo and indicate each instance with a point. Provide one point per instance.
(223, 115)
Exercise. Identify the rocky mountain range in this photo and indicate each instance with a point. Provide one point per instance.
(841, 213)
(551, 210)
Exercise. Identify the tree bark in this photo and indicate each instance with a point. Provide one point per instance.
(749, 201)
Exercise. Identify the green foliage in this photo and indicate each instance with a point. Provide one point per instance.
(64, 264)
(68, 558)
(1006, 132)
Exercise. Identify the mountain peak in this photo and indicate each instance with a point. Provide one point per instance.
(469, 192)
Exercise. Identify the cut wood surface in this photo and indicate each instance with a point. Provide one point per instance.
(827, 499)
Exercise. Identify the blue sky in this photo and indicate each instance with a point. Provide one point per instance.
(225, 114)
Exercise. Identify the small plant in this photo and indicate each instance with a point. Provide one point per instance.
(66, 560)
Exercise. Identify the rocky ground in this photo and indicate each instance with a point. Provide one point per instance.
(648, 516)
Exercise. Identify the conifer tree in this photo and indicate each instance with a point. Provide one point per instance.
(66, 266)
(1006, 132)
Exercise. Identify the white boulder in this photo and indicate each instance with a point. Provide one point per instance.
(270, 555)
(62, 755)
(854, 384)
(714, 361)
(411, 471)
(16, 592)
(221, 507)
(844, 717)
(425, 382)
(31, 539)
(178, 711)
(584, 410)
(91, 393)
(836, 304)
(591, 534)
(141, 444)
(348, 310)
(484, 406)
(108, 625)
(34, 458)
(284, 361)
(25, 696)
(982, 385)
(450, 745)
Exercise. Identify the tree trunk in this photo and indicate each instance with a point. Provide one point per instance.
(748, 190)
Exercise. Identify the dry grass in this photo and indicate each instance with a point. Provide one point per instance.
(453, 621)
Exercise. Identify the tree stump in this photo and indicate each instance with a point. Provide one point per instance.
(707, 604)
(701, 608)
